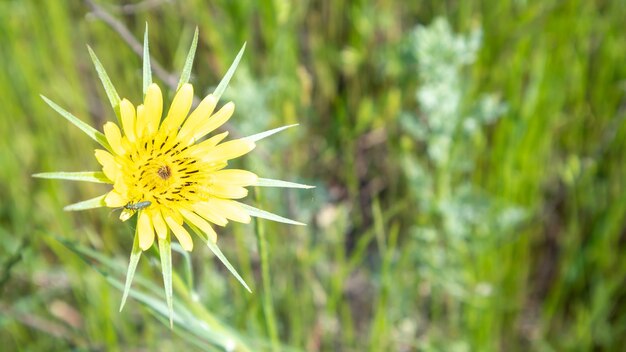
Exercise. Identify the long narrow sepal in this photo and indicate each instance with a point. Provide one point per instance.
(218, 253)
(184, 77)
(165, 251)
(109, 88)
(84, 176)
(263, 135)
(147, 71)
(252, 211)
(135, 254)
(92, 203)
(219, 90)
(268, 182)
(90, 131)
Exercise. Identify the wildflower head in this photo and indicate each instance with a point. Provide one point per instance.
(166, 169)
(160, 165)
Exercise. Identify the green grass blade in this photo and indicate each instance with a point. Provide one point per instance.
(147, 71)
(218, 253)
(135, 254)
(114, 98)
(90, 256)
(188, 266)
(268, 182)
(263, 135)
(84, 176)
(86, 254)
(90, 131)
(252, 211)
(219, 90)
(96, 202)
(166, 267)
(268, 305)
(184, 77)
(212, 332)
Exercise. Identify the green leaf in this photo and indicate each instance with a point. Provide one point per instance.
(191, 317)
(252, 211)
(86, 176)
(166, 267)
(135, 254)
(87, 254)
(219, 90)
(147, 71)
(96, 202)
(184, 77)
(114, 98)
(91, 256)
(268, 182)
(90, 131)
(218, 253)
(263, 135)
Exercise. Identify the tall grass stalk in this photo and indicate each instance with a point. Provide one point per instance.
(268, 304)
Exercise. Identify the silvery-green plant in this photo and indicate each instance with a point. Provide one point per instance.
(456, 218)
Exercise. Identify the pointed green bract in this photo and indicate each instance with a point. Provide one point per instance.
(166, 267)
(219, 90)
(184, 77)
(114, 98)
(135, 254)
(268, 182)
(147, 71)
(218, 253)
(90, 131)
(263, 135)
(85, 176)
(97, 202)
(252, 211)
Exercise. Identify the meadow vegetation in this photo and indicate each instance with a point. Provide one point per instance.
(468, 157)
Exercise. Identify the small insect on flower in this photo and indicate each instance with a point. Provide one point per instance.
(131, 208)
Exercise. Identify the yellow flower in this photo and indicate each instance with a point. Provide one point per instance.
(160, 166)
(165, 170)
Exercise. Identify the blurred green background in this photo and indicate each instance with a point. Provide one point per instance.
(468, 156)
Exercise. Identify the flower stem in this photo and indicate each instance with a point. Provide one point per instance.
(268, 307)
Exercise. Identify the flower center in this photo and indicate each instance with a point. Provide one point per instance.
(162, 171)
(165, 172)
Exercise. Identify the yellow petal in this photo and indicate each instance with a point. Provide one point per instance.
(215, 121)
(174, 214)
(204, 210)
(181, 234)
(154, 108)
(146, 232)
(200, 114)
(109, 165)
(121, 187)
(228, 209)
(127, 214)
(114, 137)
(179, 109)
(205, 146)
(115, 200)
(159, 224)
(127, 111)
(141, 125)
(227, 191)
(228, 150)
(105, 158)
(200, 223)
(234, 177)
